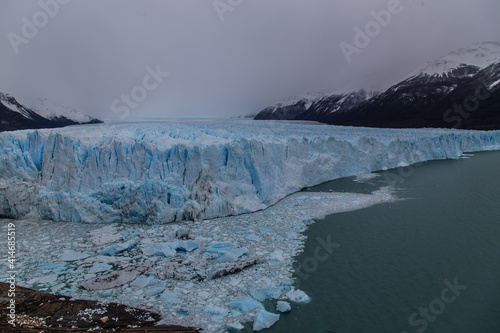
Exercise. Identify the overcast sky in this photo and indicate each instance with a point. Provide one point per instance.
(223, 58)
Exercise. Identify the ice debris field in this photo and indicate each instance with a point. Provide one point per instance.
(220, 274)
(195, 170)
(207, 268)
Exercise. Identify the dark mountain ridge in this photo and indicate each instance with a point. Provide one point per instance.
(459, 90)
(15, 116)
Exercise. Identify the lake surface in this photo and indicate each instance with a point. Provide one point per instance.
(396, 263)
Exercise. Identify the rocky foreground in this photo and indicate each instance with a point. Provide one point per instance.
(42, 312)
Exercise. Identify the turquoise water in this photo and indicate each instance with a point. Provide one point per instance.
(389, 273)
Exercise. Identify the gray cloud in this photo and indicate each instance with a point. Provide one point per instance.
(91, 52)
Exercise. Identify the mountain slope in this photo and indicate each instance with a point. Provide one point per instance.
(432, 101)
(479, 55)
(54, 110)
(459, 90)
(289, 109)
(317, 108)
(16, 116)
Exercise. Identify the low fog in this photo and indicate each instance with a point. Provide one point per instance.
(186, 58)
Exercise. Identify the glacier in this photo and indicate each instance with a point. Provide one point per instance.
(200, 169)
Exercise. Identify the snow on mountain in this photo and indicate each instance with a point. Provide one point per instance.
(480, 55)
(289, 109)
(314, 107)
(151, 172)
(307, 99)
(11, 103)
(44, 114)
(53, 110)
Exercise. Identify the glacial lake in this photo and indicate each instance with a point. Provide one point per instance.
(396, 261)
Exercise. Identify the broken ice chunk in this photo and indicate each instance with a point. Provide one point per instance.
(216, 312)
(169, 299)
(265, 229)
(253, 238)
(48, 279)
(232, 255)
(100, 267)
(117, 248)
(220, 247)
(277, 255)
(297, 296)
(246, 305)
(115, 279)
(283, 306)
(158, 249)
(105, 235)
(70, 255)
(266, 293)
(182, 233)
(235, 326)
(184, 245)
(52, 265)
(153, 292)
(141, 282)
(264, 319)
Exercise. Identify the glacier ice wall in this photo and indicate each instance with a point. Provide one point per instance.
(162, 172)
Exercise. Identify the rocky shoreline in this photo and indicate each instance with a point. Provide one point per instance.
(43, 312)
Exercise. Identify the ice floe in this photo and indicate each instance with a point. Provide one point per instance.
(193, 285)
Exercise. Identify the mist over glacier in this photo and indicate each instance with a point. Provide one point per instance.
(195, 170)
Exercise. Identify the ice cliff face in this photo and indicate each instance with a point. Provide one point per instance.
(170, 171)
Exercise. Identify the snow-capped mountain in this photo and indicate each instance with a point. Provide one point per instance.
(451, 101)
(479, 55)
(54, 110)
(12, 104)
(314, 107)
(322, 109)
(290, 108)
(17, 116)
(460, 90)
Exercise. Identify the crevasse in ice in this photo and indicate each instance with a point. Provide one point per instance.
(167, 171)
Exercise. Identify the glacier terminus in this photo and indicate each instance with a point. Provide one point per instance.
(195, 170)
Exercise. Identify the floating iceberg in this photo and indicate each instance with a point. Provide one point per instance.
(264, 319)
(297, 296)
(282, 306)
(161, 172)
(266, 293)
(246, 305)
